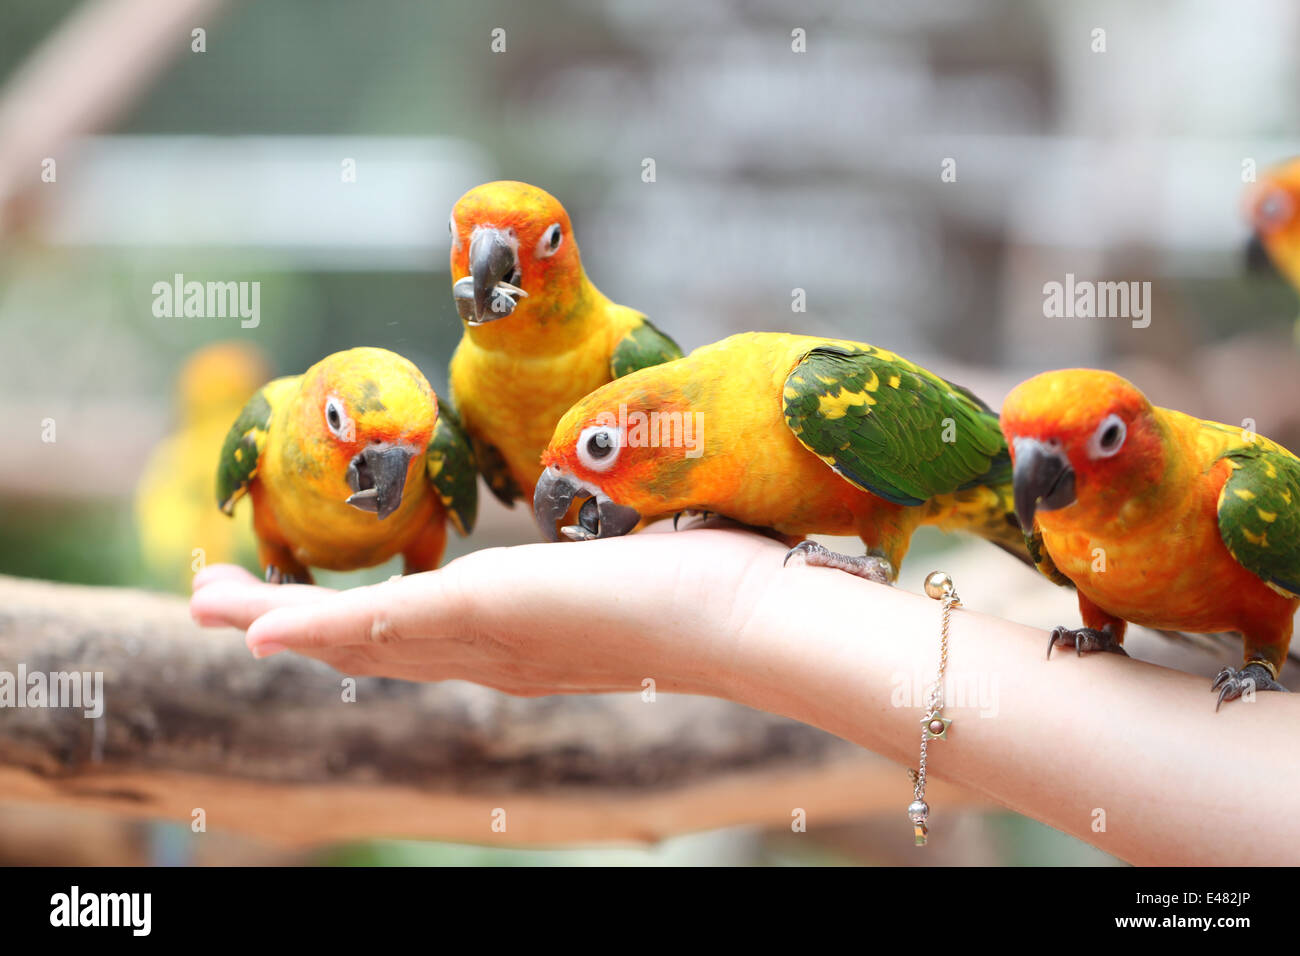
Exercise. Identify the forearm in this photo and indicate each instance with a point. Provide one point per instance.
(1078, 743)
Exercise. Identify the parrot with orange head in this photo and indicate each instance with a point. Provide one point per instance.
(1157, 518)
(538, 334)
(800, 434)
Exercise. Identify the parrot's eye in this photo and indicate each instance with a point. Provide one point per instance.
(1108, 438)
(338, 420)
(451, 231)
(598, 447)
(550, 241)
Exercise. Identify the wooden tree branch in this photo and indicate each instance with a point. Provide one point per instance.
(270, 748)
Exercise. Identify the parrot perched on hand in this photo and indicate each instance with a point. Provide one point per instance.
(1157, 518)
(538, 335)
(1273, 210)
(347, 465)
(796, 433)
(178, 530)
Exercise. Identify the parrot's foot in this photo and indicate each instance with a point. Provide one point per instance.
(275, 576)
(869, 566)
(1231, 684)
(1085, 640)
(690, 513)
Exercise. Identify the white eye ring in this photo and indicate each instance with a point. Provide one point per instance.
(550, 242)
(599, 447)
(451, 230)
(337, 421)
(1109, 437)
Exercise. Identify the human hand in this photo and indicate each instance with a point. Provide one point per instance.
(528, 620)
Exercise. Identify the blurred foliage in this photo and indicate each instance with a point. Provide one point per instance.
(85, 543)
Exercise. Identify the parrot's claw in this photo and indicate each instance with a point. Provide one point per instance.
(1231, 683)
(1085, 640)
(691, 513)
(869, 566)
(275, 576)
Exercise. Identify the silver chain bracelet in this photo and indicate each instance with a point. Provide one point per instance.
(934, 725)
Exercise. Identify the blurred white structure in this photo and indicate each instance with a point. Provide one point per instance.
(328, 202)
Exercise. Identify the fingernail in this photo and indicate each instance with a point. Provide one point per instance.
(267, 648)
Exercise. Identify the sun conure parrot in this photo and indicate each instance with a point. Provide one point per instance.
(538, 335)
(179, 532)
(801, 434)
(349, 464)
(1157, 518)
(1273, 209)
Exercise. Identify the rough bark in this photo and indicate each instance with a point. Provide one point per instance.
(271, 748)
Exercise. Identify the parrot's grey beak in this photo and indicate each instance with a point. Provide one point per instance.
(1257, 257)
(377, 476)
(484, 295)
(1043, 479)
(599, 517)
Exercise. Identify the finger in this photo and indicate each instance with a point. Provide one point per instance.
(238, 603)
(222, 572)
(356, 662)
(370, 661)
(346, 661)
(377, 614)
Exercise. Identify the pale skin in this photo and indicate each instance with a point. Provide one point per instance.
(713, 612)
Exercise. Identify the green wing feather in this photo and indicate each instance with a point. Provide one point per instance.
(451, 468)
(642, 347)
(241, 452)
(881, 423)
(1259, 514)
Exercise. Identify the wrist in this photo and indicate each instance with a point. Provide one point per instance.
(839, 653)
